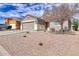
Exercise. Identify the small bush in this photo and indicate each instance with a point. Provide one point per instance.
(75, 25)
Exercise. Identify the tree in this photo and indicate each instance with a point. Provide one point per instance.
(65, 14)
(47, 17)
(62, 13)
(67, 11)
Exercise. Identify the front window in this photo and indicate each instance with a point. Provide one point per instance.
(56, 23)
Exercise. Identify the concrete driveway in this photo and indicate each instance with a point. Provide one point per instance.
(6, 32)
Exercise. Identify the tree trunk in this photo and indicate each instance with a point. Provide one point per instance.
(69, 24)
(62, 31)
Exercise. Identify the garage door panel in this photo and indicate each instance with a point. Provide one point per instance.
(28, 26)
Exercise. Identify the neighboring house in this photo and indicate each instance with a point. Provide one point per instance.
(14, 22)
(32, 23)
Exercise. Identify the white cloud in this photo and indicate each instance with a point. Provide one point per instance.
(22, 11)
(1, 4)
(9, 14)
(37, 13)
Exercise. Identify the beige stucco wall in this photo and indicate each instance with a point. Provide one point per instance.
(41, 24)
(37, 25)
(40, 27)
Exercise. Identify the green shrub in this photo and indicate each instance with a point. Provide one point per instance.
(75, 24)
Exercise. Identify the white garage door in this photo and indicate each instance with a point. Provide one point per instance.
(28, 26)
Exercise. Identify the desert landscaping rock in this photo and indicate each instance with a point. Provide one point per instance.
(27, 32)
(41, 44)
(52, 44)
(24, 36)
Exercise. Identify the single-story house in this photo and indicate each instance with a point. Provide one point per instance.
(31, 22)
(14, 22)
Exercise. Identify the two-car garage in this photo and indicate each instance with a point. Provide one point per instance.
(29, 23)
(32, 23)
(28, 26)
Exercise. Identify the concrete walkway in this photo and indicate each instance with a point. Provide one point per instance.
(3, 52)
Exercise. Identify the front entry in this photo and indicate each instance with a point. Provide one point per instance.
(46, 25)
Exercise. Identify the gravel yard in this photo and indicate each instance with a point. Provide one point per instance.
(40, 44)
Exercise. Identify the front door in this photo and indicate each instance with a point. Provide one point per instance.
(46, 25)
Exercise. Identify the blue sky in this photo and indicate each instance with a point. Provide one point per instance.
(20, 10)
